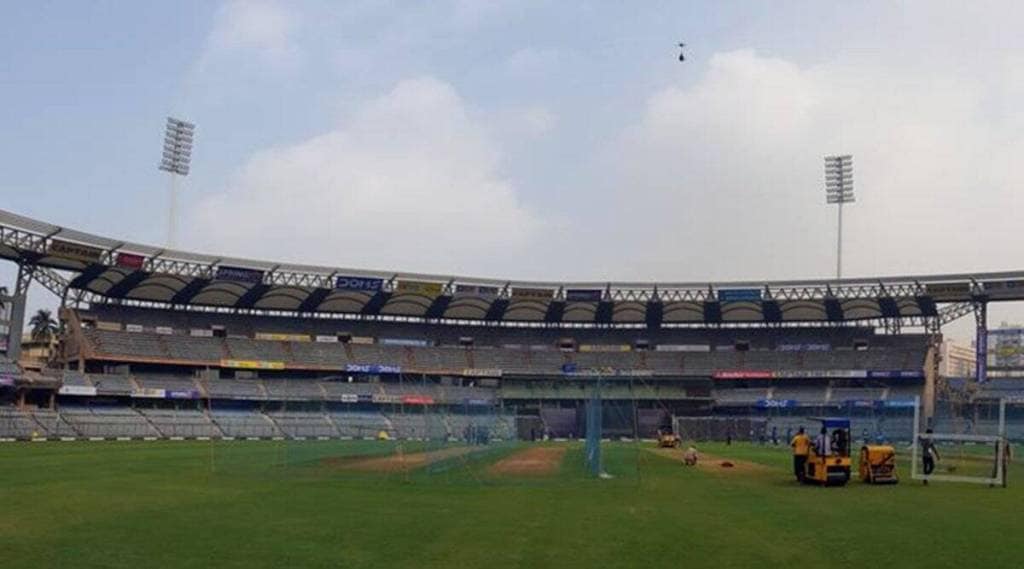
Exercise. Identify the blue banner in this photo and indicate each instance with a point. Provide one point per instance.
(363, 284)
(862, 403)
(239, 274)
(739, 295)
(373, 368)
(584, 295)
(776, 403)
(181, 394)
(569, 368)
(900, 404)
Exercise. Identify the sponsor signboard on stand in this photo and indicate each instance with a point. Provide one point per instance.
(238, 274)
(739, 295)
(524, 293)
(584, 295)
(81, 390)
(360, 284)
(251, 364)
(743, 374)
(377, 369)
(74, 251)
(129, 261)
(421, 288)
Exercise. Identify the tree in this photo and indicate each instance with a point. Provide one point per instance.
(44, 326)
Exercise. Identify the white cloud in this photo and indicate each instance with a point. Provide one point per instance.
(410, 182)
(723, 179)
(261, 27)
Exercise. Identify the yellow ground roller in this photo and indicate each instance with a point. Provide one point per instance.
(878, 464)
(830, 466)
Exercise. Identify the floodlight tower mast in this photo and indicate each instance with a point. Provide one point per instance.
(177, 159)
(839, 191)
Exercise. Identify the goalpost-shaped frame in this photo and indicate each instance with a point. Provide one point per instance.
(997, 441)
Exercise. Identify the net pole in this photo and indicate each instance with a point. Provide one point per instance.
(917, 434)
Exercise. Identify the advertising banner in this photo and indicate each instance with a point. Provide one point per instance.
(862, 403)
(382, 398)
(569, 368)
(583, 295)
(282, 337)
(417, 400)
(776, 403)
(7, 380)
(900, 404)
(405, 342)
(803, 347)
(895, 374)
(605, 347)
(201, 333)
(349, 398)
(948, 291)
(364, 398)
(1005, 347)
(361, 284)
(110, 326)
(520, 293)
(165, 330)
(481, 372)
(477, 402)
(183, 394)
(133, 328)
(129, 261)
(421, 288)
(251, 364)
(743, 374)
(83, 390)
(74, 251)
(239, 274)
(682, 348)
(476, 291)
(739, 295)
(148, 393)
(377, 369)
(821, 374)
(327, 339)
(362, 340)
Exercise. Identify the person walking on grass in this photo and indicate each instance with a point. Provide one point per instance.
(801, 444)
(929, 454)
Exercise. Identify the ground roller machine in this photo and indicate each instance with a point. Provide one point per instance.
(878, 464)
(830, 465)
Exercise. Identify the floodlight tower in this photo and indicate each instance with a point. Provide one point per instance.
(839, 190)
(177, 158)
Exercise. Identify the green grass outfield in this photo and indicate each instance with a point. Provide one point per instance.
(273, 504)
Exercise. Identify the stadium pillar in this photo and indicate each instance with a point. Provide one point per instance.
(18, 303)
(931, 372)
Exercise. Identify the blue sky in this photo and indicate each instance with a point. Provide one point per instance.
(532, 140)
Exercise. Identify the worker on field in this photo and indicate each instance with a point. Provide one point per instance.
(929, 454)
(822, 443)
(801, 444)
(690, 456)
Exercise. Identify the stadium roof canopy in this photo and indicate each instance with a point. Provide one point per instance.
(113, 270)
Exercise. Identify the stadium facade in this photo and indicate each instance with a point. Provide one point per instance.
(160, 343)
